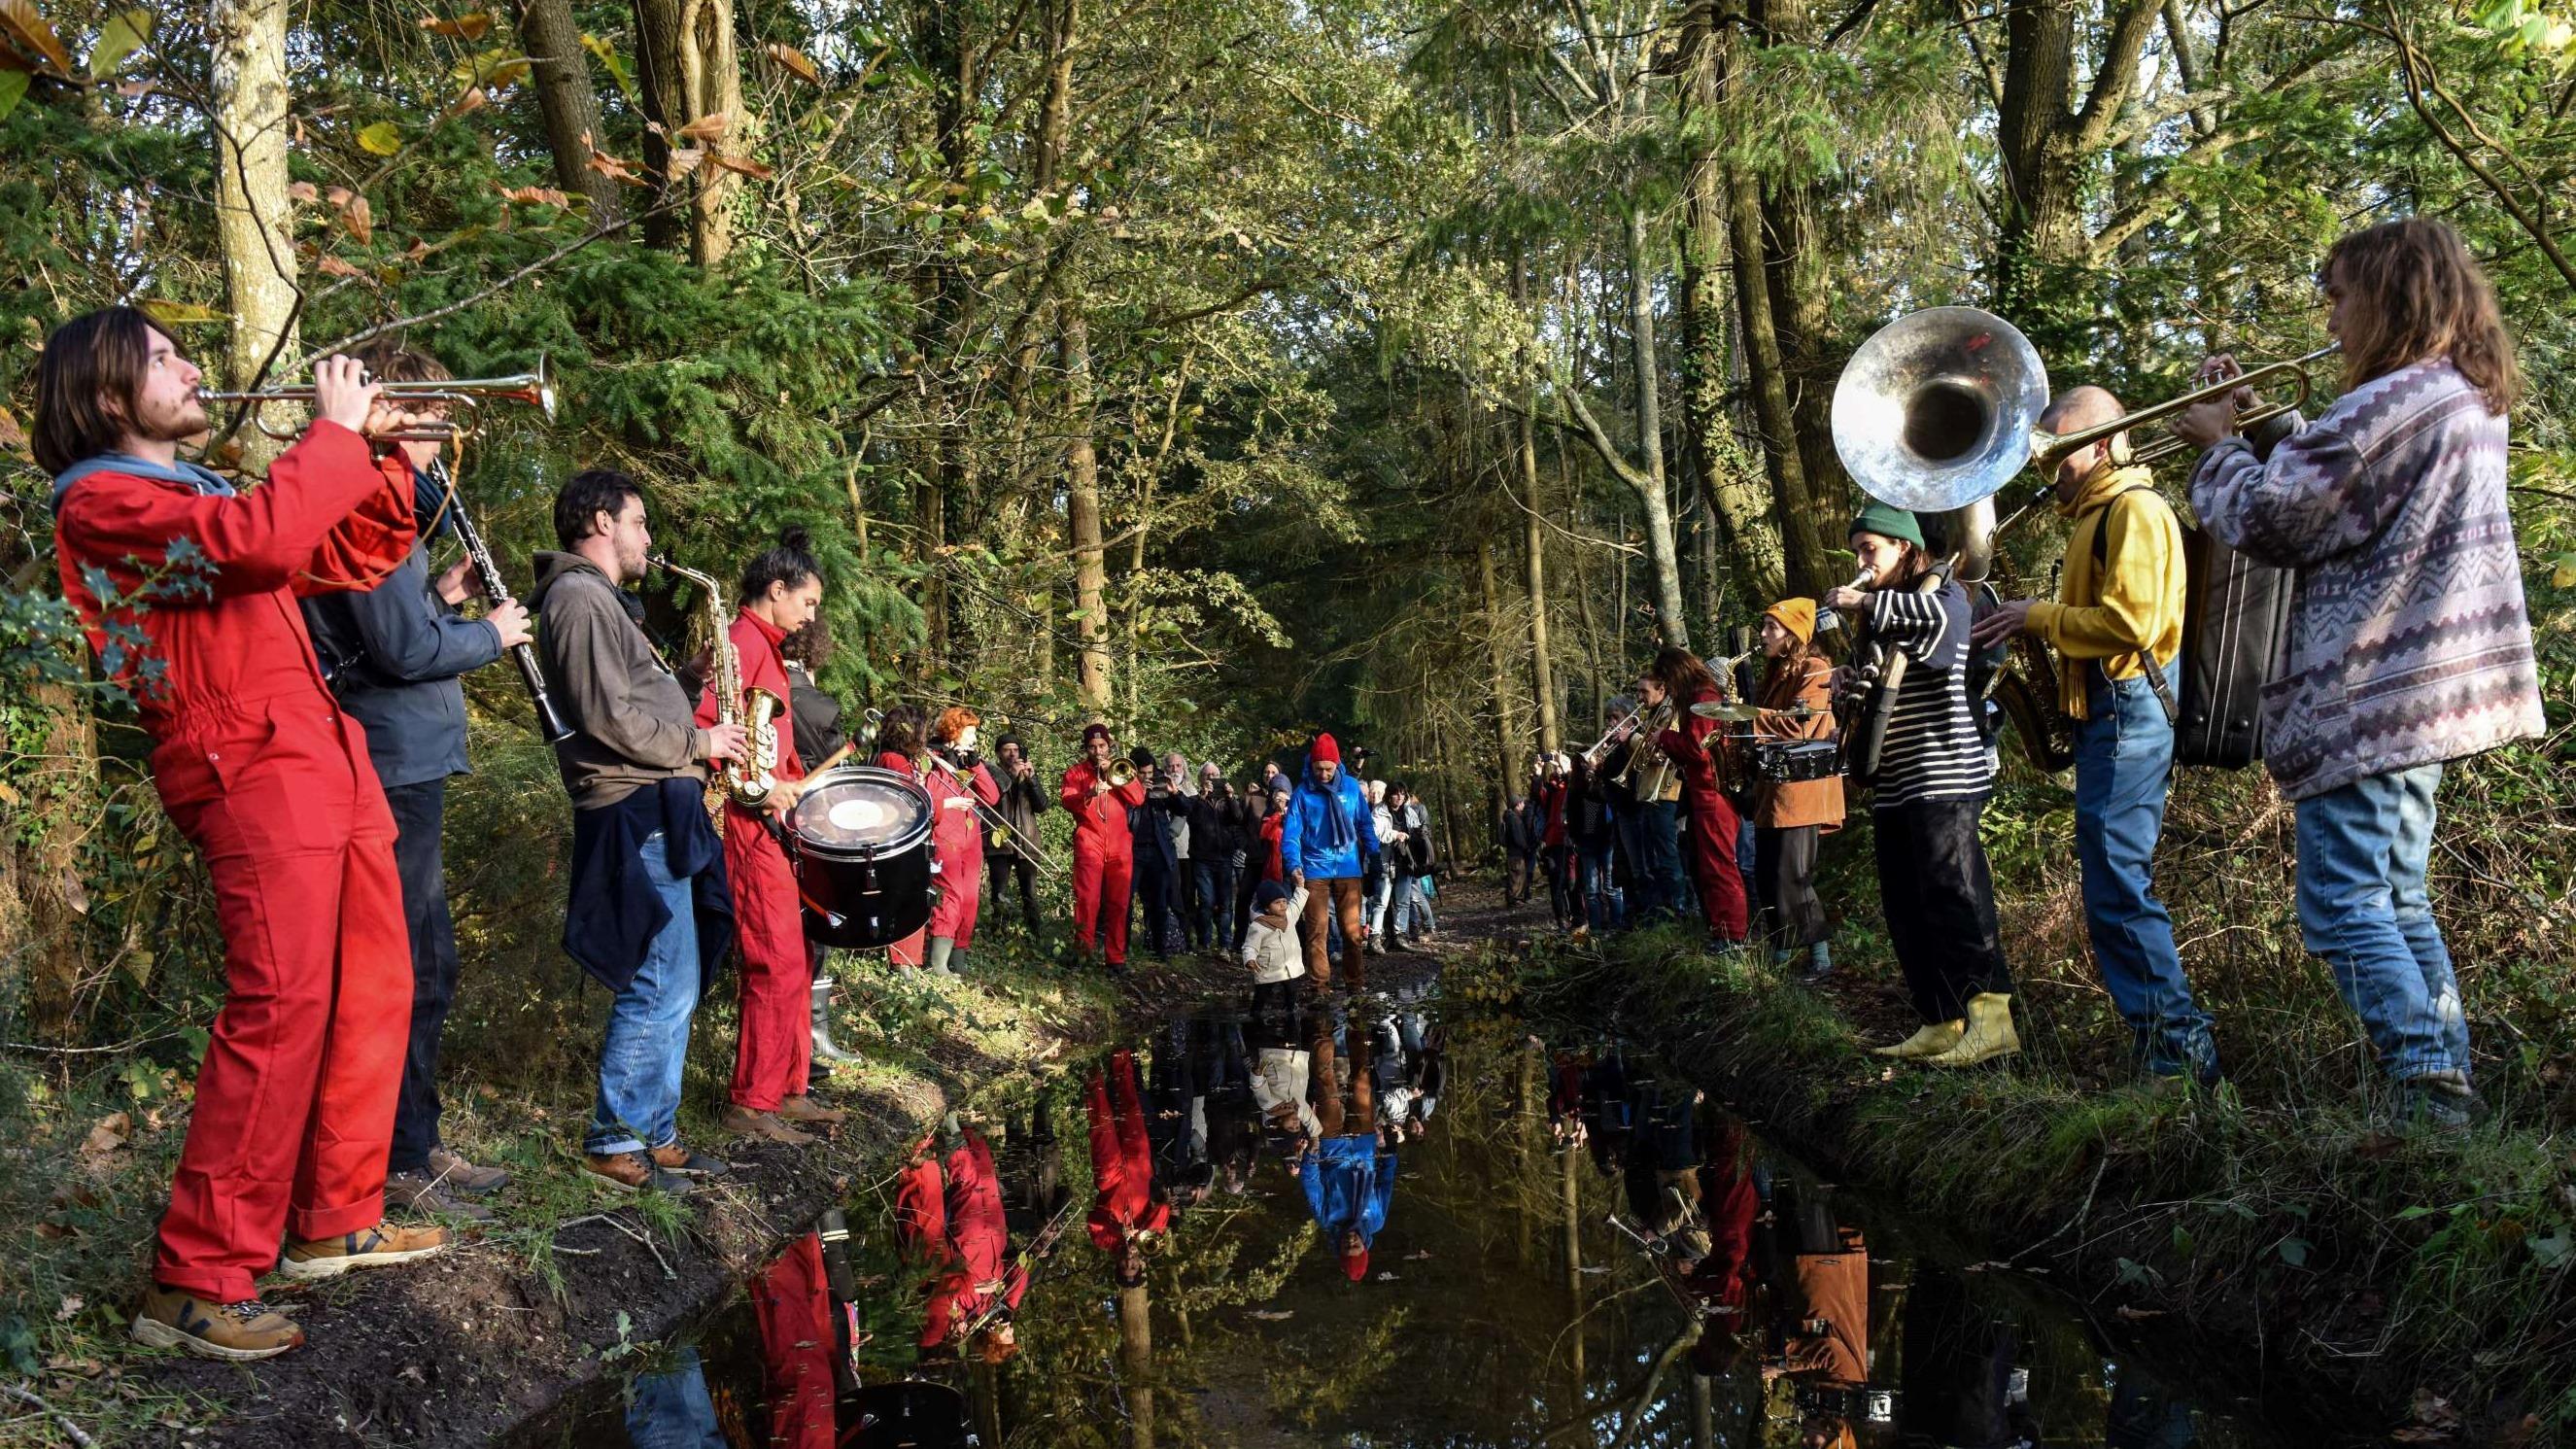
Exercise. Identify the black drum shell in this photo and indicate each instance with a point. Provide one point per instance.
(1786, 762)
(865, 896)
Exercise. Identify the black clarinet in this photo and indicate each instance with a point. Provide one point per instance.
(495, 590)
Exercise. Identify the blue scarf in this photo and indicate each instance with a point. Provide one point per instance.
(201, 479)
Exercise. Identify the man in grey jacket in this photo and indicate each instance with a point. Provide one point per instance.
(392, 655)
(649, 914)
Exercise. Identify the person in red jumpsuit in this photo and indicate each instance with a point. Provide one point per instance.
(187, 590)
(951, 1215)
(1678, 677)
(1104, 853)
(903, 747)
(792, 1304)
(957, 782)
(781, 590)
(1555, 843)
(1127, 1208)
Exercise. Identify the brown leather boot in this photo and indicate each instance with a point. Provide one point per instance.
(382, 1246)
(237, 1332)
(801, 1108)
(744, 1122)
(633, 1172)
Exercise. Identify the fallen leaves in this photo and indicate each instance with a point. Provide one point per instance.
(1274, 1315)
(70, 1308)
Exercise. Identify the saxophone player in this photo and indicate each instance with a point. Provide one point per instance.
(781, 591)
(2117, 626)
(648, 913)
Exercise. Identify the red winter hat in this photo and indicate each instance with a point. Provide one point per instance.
(1092, 729)
(1325, 750)
(1356, 1265)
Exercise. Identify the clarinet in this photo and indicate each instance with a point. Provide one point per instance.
(496, 589)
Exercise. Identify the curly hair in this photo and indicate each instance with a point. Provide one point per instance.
(954, 721)
(2426, 297)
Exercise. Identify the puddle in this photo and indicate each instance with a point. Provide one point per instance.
(1528, 1244)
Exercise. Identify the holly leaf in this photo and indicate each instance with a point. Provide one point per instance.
(27, 30)
(122, 35)
(384, 138)
(795, 60)
(470, 26)
(161, 309)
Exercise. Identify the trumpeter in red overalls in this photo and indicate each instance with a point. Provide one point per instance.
(188, 589)
(782, 591)
(1104, 853)
(1126, 1208)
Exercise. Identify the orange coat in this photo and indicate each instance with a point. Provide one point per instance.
(1801, 802)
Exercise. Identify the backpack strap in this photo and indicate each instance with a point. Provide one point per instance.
(2155, 671)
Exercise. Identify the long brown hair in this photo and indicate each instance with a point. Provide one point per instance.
(1684, 674)
(88, 384)
(2423, 296)
(1786, 677)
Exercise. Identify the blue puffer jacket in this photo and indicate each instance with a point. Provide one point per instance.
(1350, 1183)
(1309, 843)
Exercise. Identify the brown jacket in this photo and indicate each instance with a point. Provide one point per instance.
(1804, 802)
(1833, 1293)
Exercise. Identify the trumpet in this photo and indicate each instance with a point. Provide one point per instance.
(1611, 736)
(1121, 771)
(468, 394)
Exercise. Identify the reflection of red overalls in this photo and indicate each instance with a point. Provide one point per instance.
(793, 1304)
(1122, 1160)
(259, 769)
(958, 835)
(1713, 821)
(978, 1246)
(1728, 1199)
(1104, 856)
(774, 1058)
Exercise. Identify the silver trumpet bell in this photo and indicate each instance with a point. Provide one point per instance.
(1940, 409)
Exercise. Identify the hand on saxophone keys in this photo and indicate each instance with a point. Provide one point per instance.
(2006, 621)
(726, 741)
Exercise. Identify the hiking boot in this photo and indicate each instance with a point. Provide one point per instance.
(237, 1332)
(2440, 1101)
(382, 1246)
(801, 1108)
(742, 1121)
(677, 1157)
(463, 1176)
(421, 1192)
(633, 1172)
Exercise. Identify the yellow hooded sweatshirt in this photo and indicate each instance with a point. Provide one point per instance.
(2136, 601)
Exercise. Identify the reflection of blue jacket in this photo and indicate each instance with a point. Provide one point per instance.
(1349, 1183)
(1310, 844)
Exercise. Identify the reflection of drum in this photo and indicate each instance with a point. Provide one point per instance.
(911, 1414)
(1787, 762)
(863, 857)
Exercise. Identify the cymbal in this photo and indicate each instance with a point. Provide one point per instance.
(1731, 713)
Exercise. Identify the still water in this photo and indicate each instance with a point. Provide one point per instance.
(1292, 1224)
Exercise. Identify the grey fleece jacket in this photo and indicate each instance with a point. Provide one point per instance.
(632, 724)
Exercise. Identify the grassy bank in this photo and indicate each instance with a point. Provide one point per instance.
(2280, 1223)
(573, 1277)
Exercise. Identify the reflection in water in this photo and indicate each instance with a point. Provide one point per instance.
(1588, 1252)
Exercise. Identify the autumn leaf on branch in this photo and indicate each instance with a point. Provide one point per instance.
(609, 166)
(27, 31)
(794, 60)
(743, 165)
(384, 138)
(533, 195)
(470, 26)
(331, 266)
(704, 128)
(685, 159)
(355, 213)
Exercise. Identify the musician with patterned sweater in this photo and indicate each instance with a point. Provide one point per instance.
(1931, 786)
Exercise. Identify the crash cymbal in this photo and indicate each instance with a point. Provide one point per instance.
(1731, 713)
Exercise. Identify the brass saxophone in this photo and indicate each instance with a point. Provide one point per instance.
(2027, 694)
(746, 781)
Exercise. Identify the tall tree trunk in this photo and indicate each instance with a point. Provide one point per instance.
(2045, 143)
(1507, 729)
(566, 102)
(1672, 624)
(42, 900)
(1136, 1363)
(1809, 570)
(710, 87)
(1082, 512)
(666, 109)
(253, 221)
(1534, 535)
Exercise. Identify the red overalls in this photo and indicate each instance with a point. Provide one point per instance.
(261, 772)
(975, 1244)
(936, 783)
(958, 835)
(1104, 856)
(792, 1300)
(774, 1057)
(1122, 1160)
(1713, 821)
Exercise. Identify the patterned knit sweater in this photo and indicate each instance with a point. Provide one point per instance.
(2408, 640)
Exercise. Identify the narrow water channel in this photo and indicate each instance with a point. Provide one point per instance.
(1387, 1229)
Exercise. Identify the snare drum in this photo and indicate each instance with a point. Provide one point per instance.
(1788, 762)
(863, 856)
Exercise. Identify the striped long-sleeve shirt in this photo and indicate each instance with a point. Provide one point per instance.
(1933, 750)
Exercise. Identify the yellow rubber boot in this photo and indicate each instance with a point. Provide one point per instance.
(1990, 1033)
(1932, 1039)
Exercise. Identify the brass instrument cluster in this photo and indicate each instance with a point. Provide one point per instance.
(748, 780)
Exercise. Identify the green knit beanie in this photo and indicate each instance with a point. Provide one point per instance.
(1888, 521)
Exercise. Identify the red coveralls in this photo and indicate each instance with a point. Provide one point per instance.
(1104, 856)
(958, 835)
(908, 951)
(793, 1303)
(1713, 821)
(774, 1058)
(1122, 1160)
(1274, 828)
(259, 769)
(978, 1244)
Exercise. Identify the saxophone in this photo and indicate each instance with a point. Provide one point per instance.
(2027, 694)
(746, 781)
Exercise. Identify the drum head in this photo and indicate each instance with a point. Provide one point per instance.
(858, 809)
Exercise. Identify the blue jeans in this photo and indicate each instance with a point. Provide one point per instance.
(1603, 909)
(1411, 908)
(1748, 858)
(672, 1409)
(1659, 859)
(648, 1030)
(1212, 920)
(2123, 765)
(2364, 907)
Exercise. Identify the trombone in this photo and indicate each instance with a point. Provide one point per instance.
(1003, 834)
(468, 394)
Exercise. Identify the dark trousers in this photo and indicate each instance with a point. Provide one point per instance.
(1940, 904)
(1562, 901)
(1520, 876)
(1785, 863)
(1247, 884)
(1212, 903)
(1001, 869)
(420, 813)
(1157, 894)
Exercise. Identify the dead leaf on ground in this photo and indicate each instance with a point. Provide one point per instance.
(70, 1308)
(1274, 1315)
(2137, 1315)
(107, 1135)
